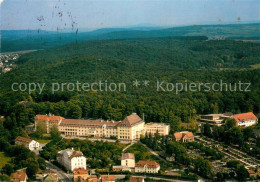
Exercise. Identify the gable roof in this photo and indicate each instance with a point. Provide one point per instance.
(131, 120)
(136, 179)
(80, 171)
(127, 156)
(48, 118)
(76, 154)
(19, 176)
(180, 135)
(71, 153)
(149, 164)
(23, 139)
(244, 117)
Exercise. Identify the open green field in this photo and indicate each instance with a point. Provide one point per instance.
(4, 159)
(255, 66)
(42, 141)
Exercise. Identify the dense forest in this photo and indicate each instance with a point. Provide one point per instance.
(183, 60)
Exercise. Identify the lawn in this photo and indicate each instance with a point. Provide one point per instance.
(4, 159)
(255, 66)
(42, 141)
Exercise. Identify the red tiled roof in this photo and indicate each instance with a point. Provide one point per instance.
(48, 118)
(149, 164)
(250, 171)
(136, 179)
(95, 123)
(80, 171)
(244, 117)
(55, 118)
(92, 179)
(127, 156)
(180, 135)
(42, 117)
(131, 120)
(108, 178)
(23, 139)
(19, 176)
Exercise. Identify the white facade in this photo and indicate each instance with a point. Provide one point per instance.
(160, 128)
(128, 160)
(245, 119)
(146, 169)
(137, 131)
(247, 123)
(72, 159)
(130, 129)
(27, 142)
(33, 145)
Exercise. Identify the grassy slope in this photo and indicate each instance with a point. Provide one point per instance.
(141, 153)
(4, 159)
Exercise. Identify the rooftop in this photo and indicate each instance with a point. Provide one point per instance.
(100, 123)
(19, 176)
(149, 164)
(108, 178)
(128, 156)
(131, 120)
(80, 171)
(71, 153)
(179, 135)
(23, 139)
(244, 117)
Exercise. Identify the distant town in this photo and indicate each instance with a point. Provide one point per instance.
(8, 62)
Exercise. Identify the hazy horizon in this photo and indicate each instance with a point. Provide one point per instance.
(62, 15)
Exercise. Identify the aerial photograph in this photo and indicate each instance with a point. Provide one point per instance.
(129, 90)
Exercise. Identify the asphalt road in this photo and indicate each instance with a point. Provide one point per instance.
(61, 174)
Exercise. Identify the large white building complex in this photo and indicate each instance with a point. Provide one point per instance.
(129, 129)
(72, 159)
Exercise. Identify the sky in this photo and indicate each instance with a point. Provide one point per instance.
(94, 14)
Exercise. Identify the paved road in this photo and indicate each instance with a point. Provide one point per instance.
(61, 174)
(159, 157)
(153, 177)
(127, 147)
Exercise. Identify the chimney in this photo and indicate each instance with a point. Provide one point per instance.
(143, 116)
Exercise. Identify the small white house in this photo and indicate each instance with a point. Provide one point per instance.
(127, 163)
(128, 160)
(27, 142)
(147, 167)
(72, 159)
